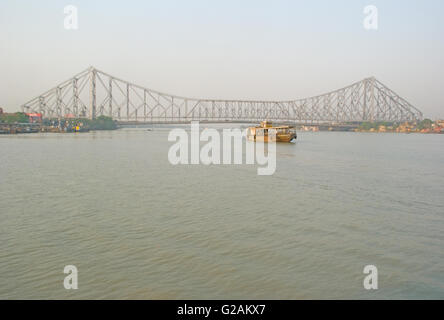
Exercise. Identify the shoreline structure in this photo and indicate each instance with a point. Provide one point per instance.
(19, 122)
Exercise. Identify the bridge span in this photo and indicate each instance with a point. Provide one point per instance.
(93, 93)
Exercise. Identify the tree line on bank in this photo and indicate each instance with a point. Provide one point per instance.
(100, 123)
(424, 124)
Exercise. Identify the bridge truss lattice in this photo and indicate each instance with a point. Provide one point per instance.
(92, 93)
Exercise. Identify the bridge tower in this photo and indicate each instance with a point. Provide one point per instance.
(93, 93)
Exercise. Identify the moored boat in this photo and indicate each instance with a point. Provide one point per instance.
(266, 132)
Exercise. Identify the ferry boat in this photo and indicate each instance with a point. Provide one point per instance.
(281, 133)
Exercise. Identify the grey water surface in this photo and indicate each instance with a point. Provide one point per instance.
(136, 226)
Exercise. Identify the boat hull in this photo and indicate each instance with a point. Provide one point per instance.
(278, 138)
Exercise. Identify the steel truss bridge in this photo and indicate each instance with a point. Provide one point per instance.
(93, 93)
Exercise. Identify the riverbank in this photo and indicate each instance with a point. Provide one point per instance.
(16, 123)
(57, 125)
(8, 128)
(425, 126)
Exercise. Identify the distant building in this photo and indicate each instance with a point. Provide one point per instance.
(34, 117)
(310, 128)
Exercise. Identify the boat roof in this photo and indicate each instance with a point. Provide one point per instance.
(279, 127)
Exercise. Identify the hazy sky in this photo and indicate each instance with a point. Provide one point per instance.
(245, 49)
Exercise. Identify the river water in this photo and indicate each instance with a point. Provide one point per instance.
(136, 226)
